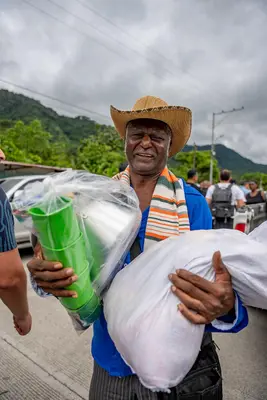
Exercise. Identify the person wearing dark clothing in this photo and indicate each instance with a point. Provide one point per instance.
(13, 280)
(192, 178)
(222, 199)
(255, 196)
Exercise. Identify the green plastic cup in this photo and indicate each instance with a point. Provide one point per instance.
(59, 228)
(94, 249)
(73, 256)
(88, 313)
(85, 292)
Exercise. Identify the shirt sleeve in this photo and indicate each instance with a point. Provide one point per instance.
(7, 233)
(210, 192)
(200, 218)
(229, 323)
(238, 194)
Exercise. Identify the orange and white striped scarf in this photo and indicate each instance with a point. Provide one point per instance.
(168, 214)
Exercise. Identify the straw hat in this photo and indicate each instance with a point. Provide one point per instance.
(2, 155)
(179, 119)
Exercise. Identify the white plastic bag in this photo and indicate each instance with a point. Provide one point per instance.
(151, 335)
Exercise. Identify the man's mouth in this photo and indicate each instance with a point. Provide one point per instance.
(144, 155)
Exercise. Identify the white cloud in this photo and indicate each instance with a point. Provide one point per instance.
(205, 54)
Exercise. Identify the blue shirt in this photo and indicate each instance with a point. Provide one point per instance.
(7, 234)
(103, 348)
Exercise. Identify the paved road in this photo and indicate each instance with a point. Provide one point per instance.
(54, 362)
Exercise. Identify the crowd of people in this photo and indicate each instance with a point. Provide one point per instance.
(226, 196)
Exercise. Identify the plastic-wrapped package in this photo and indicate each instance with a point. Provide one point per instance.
(151, 335)
(87, 222)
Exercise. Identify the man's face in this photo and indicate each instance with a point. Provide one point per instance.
(147, 146)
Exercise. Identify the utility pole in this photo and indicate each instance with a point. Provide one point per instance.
(194, 156)
(212, 153)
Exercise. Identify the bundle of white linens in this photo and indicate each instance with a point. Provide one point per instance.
(151, 335)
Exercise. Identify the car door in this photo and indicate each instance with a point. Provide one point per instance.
(21, 232)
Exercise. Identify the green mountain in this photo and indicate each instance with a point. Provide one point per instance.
(15, 107)
(230, 159)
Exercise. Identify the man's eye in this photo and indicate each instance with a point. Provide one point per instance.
(137, 136)
(156, 138)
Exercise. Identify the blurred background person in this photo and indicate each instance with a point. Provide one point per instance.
(204, 185)
(244, 186)
(255, 195)
(222, 199)
(192, 179)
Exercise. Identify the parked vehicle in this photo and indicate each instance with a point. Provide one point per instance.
(249, 217)
(14, 187)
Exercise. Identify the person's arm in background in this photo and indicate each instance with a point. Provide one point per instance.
(200, 218)
(209, 195)
(13, 280)
(239, 195)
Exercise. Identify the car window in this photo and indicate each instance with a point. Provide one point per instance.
(8, 184)
(30, 183)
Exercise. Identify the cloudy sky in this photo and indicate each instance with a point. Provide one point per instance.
(208, 55)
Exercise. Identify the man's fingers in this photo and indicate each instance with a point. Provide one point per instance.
(43, 265)
(62, 293)
(49, 276)
(191, 284)
(196, 319)
(59, 284)
(188, 301)
(217, 263)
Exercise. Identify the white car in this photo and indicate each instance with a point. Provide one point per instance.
(14, 187)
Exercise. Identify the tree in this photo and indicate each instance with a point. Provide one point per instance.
(102, 153)
(261, 179)
(32, 144)
(182, 162)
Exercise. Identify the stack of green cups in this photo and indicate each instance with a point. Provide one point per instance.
(62, 241)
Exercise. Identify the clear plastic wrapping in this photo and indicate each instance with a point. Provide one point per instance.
(151, 335)
(85, 221)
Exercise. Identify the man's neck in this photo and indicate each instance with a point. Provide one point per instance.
(191, 181)
(144, 187)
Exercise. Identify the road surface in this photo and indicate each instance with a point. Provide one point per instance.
(54, 362)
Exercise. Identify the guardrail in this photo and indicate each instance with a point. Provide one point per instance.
(259, 215)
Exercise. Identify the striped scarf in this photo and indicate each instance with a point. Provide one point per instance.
(168, 214)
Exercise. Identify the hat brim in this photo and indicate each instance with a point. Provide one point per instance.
(179, 119)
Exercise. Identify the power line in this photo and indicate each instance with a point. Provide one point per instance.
(137, 40)
(96, 29)
(97, 41)
(84, 33)
(73, 28)
(102, 44)
(54, 98)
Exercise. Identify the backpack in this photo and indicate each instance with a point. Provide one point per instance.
(221, 206)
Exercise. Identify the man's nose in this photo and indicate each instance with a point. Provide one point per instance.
(146, 141)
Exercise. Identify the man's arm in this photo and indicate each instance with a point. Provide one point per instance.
(13, 280)
(209, 195)
(235, 320)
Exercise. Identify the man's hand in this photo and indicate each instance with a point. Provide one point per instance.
(203, 301)
(23, 325)
(51, 276)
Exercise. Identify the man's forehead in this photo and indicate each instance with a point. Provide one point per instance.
(148, 123)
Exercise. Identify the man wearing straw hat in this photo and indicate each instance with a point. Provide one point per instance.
(152, 132)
